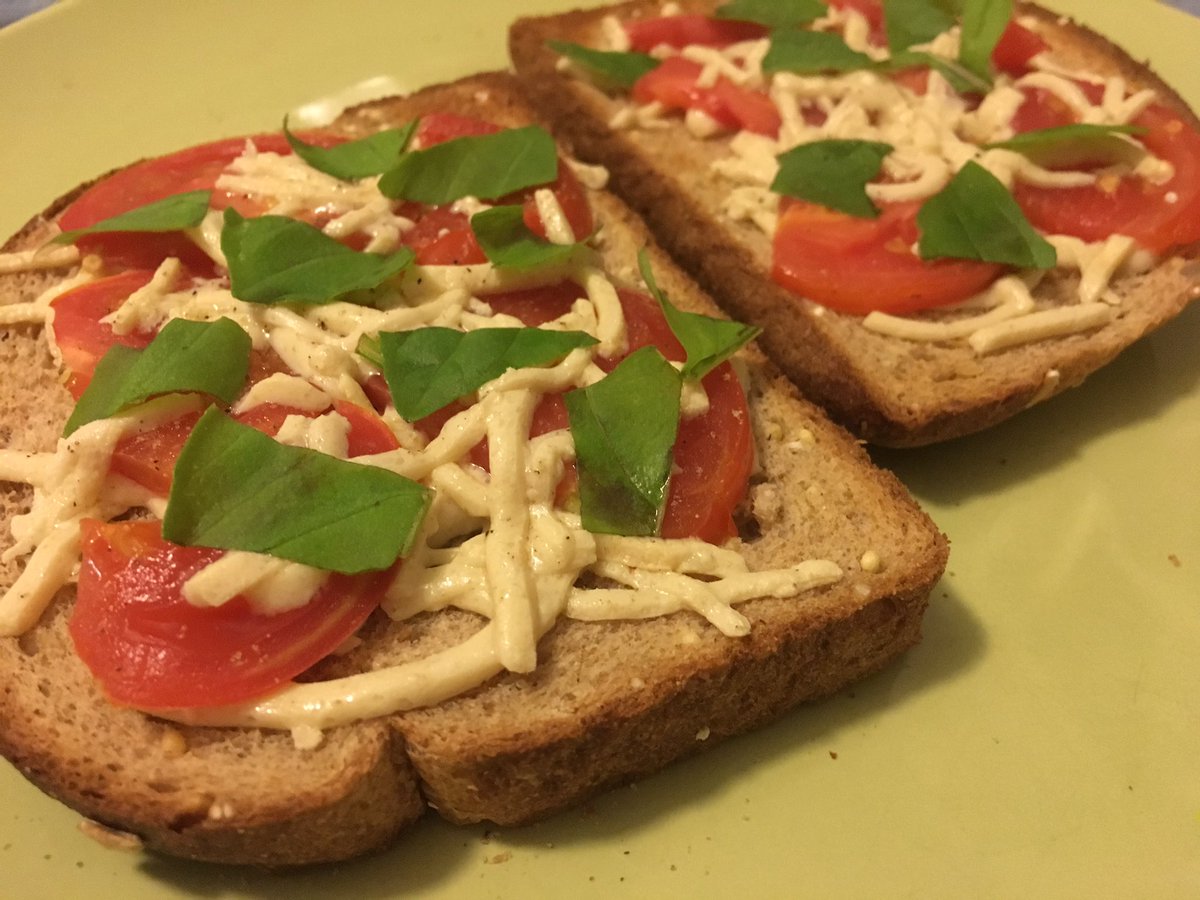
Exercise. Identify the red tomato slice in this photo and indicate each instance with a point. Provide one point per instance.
(149, 457)
(151, 649)
(1016, 47)
(673, 84)
(196, 168)
(81, 337)
(679, 31)
(444, 237)
(1039, 110)
(441, 237)
(859, 265)
(1157, 216)
(436, 128)
(872, 11)
(573, 200)
(714, 452)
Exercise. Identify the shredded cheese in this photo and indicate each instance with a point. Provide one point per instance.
(493, 543)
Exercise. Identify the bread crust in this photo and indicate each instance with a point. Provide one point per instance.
(886, 390)
(608, 702)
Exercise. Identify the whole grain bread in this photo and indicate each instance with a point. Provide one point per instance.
(886, 390)
(608, 701)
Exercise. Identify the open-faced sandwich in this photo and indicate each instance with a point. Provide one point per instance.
(940, 213)
(389, 466)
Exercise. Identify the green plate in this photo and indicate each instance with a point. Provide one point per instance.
(1043, 740)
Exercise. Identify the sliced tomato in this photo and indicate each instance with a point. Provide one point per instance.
(1039, 110)
(437, 128)
(714, 451)
(858, 265)
(149, 457)
(151, 649)
(1017, 46)
(81, 336)
(1158, 216)
(681, 30)
(572, 198)
(538, 305)
(441, 236)
(872, 11)
(196, 168)
(674, 85)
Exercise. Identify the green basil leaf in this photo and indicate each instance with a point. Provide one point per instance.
(961, 79)
(983, 23)
(611, 67)
(185, 357)
(833, 173)
(811, 52)
(773, 13)
(1069, 146)
(911, 22)
(238, 489)
(624, 428)
(708, 342)
(372, 155)
(174, 213)
(975, 217)
(429, 368)
(509, 244)
(274, 259)
(487, 167)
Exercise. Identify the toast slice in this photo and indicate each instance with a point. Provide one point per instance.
(888, 390)
(608, 701)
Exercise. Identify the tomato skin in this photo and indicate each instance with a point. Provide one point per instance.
(1131, 206)
(673, 84)
(681, 30)
(858, 265)
(151, 649)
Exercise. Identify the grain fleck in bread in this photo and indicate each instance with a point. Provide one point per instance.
(886, 390)
(608, 702)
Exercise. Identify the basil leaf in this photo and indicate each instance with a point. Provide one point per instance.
(174, 213)
(983, 23)
(911, 22)
(624, 428)
(975, 217)
(612, 67)
(185, 357)
(508, 243)
(708, 342)
(811, 52)
(238, 489)
(274, 259)
(372, 155)
(1068, 146)
(961, 79)
(773, 13)
(429, 368)
(833, 173)
(487, 167)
